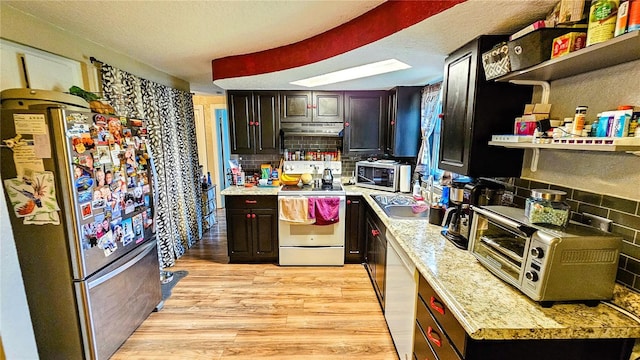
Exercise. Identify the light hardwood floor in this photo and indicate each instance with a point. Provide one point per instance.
(262, 311)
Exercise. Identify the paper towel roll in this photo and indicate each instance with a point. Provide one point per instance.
(405, 178)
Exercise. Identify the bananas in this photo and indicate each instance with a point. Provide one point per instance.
(290, 179)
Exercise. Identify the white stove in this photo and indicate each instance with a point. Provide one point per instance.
(304, 244)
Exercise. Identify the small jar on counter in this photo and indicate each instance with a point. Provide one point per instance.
(546, 206)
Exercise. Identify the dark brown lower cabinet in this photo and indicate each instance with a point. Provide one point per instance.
(354, 230)
(252, 228)
(439, 336)
(376, 253)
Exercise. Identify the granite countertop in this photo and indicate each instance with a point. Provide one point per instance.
(485, 306)
(254, 190)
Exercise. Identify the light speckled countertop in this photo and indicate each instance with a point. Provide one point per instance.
(487, 307)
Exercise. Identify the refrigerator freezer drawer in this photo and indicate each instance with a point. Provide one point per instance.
(117, 302)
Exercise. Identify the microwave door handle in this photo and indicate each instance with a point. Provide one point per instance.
(506, 222)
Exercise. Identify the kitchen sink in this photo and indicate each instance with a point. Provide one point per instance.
(399, 206)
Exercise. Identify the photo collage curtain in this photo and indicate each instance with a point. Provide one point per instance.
(172, 137)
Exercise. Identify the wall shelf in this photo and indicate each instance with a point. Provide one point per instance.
(587, 143)
(616, 51)
(628, 144)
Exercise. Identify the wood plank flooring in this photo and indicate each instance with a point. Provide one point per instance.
(238, 311)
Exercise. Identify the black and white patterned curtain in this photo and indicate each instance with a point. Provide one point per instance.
(172, 134)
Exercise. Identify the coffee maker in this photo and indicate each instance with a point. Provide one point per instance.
(481, 192)
(462, 196)
(456, 215)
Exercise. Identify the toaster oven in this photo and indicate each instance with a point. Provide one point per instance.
(547, 264)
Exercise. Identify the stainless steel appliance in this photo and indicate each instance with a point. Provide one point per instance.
(380, 175)
(456, 215)
(545, 263)
(309, 244)
(80, 186)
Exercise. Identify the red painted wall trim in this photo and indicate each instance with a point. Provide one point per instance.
(382, 21)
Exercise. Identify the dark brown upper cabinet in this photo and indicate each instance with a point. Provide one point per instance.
(253, 122)
(311, 106)
(473, 110)
(364, 122)
(403, 121)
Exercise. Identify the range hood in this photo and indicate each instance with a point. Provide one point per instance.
(312, 129)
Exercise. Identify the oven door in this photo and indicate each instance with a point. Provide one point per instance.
(312, 244)
(500, 245)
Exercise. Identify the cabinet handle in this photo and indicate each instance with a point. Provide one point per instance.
(251, 201)
(441, 116)
(251, 123)
(257, 123)
(248, 216)
(348, 202)
(436, 305)
(375, 232)
(393, 123)
(253, 216)
(346, 124)
(438, 342)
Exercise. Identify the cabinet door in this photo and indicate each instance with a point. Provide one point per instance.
(364, 122)
(296, 106)
(266, 124)
(354, 226)
(403, 130)
(455, 134)
(264, 224)
(328, 106)
(381, 263)
(239, 233)
(391, 121)
(241, 127)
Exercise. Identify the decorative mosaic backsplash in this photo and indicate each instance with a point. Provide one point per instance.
(624, 213)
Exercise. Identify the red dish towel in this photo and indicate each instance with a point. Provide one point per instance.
(326, 211)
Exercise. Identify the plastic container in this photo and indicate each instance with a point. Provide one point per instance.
(578, 120)
(546, 206)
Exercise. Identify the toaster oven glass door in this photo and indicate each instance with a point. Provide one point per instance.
(499, 247)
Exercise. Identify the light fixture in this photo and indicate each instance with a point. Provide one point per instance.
(376, 68)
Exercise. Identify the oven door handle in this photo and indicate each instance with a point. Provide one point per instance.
(524, 229)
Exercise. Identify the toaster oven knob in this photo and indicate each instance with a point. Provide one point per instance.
(537, 252)
(531, 275)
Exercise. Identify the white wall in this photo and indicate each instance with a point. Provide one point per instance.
(15, 322)
(615, 174)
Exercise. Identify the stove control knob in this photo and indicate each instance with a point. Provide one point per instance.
(531, 276)
(537, 252)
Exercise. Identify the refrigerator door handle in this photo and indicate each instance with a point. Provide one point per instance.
(122, 268)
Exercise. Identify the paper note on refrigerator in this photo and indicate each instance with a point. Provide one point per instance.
(26, 161)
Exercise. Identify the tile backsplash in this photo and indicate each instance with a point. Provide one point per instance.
(624, 213)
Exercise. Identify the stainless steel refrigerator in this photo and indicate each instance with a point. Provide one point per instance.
(79, 189)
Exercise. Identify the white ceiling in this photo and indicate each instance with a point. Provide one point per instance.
(182, 37)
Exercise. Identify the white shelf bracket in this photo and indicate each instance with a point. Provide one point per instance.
(534, 159)
(546, 88)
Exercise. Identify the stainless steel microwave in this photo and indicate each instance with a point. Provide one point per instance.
(380, 175)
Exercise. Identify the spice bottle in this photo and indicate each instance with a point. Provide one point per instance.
(578, 120)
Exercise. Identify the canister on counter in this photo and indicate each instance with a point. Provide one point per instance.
(546, 206)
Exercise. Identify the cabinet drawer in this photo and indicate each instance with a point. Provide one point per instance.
(442, 314)
(434, 334)
(251, 202)
(421, 348)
